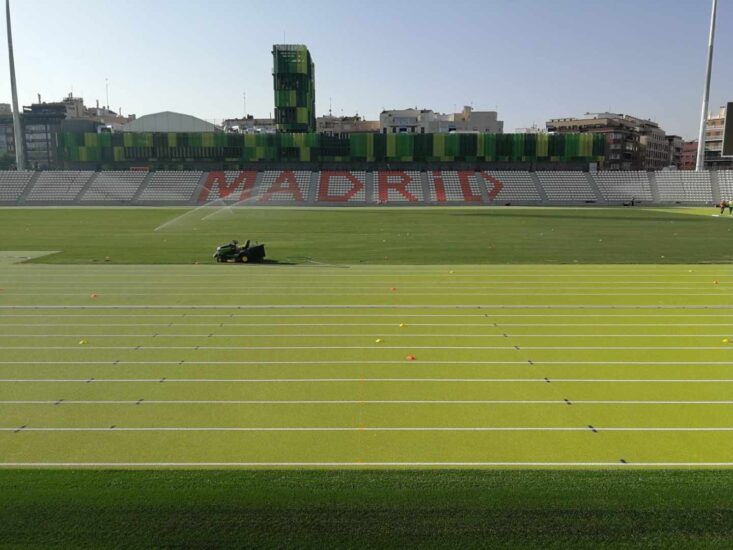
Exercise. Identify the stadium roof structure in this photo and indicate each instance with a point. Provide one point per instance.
(168, 121)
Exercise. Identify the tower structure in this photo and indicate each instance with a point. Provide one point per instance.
(295, 89)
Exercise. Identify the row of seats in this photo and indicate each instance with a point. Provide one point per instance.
(360, 187)
(725, 181)
(58, 186)
(13, 184)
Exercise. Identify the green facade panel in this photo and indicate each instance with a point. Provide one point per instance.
(311, 147)
(295, 90)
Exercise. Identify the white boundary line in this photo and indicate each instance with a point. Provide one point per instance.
(385, 293)
(486, 325)
(360, 464)
(315, 335)
(359, 315)
(188, 363)
(593, 429)
(485, 307)
(352, 402)
(631, 285)
(364, 380)
(374, 347)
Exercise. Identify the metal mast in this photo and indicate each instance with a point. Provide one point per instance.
(706, 96)
(19, 157)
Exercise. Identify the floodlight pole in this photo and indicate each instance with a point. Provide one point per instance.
(19, 157)
(700, 165)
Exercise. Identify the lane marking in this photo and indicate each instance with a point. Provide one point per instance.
(384, 315)
(719, 348)
(367, 362)
(26, 428)
(402, 293)
(379, 380)
(363, 464)
(370, 306)
(359, 402)
(348, 335)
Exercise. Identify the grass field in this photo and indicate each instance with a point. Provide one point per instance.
(610, 361)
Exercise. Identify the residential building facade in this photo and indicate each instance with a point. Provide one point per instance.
(427, 121)
(632, 143)
(688, 157)
(249, 125)
(345, 125)
(714, 129)
(674, 151)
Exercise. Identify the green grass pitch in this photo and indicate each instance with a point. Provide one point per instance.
(408, 338)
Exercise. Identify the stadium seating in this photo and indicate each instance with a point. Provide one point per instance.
(450, 186)
(342, 187)
(358, 187)
(517, 186)
(114, 186)
(228, 186)
(689, 187)
(623, 186)
(171, 187)
(12, 185)
(284, 186)
(566, 186)
(725, 180)
(61, 187)
(398, 186)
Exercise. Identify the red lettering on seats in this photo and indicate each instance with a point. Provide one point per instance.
(465, 182)
(498, 186)
(323, 191)
(244, 179)
(286, 182)
(439, 186)
(385, 183)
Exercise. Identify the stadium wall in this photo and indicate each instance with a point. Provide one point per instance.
(363, 188)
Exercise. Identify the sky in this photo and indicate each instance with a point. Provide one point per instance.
(531, 60)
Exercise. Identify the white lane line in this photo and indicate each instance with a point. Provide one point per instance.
(410, 286)
(366, 429)
(486, 307)
(53, 274)
(386, 293)
(366, 464)
(136, 402)
(392, 325)
(365, 380)
(180, 316)
(185, 362)
(403, 334)
(371, 347)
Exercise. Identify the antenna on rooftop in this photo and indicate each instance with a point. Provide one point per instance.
(244, 103)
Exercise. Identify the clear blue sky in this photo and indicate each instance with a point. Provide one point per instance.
(533, 59)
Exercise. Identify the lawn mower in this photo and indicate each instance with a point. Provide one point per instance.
(232, 252)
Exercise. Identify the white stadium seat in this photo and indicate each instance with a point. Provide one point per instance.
(12, 184)
(171, 186)
(401, 186)
(287, 186)
(343, 187)
(114, 186)
(623, 186)
(566, 186)
(59, 186)
(518, 186)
